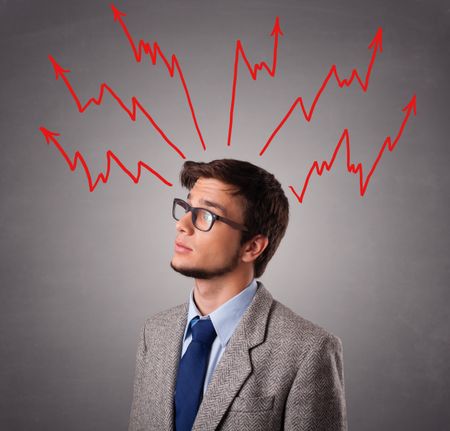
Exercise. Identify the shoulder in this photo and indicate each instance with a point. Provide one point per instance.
(284, 318)
(289, 328)
(166, 317)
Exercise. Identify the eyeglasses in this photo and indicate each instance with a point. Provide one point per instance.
(202, 218)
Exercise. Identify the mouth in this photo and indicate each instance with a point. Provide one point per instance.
(181, 248)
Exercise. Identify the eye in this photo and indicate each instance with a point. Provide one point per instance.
(207, 216)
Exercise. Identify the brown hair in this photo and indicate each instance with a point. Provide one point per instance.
(266, 209)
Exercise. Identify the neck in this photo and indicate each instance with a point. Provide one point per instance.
(211, 294)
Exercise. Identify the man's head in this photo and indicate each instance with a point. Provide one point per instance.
(248, 196)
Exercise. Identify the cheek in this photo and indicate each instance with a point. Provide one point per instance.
(220, 247)
(209, 247)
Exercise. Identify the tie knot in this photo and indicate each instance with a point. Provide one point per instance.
(203, 331)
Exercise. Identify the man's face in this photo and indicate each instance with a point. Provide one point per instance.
(205, 255)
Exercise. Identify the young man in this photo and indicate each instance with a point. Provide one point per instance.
(233, 358)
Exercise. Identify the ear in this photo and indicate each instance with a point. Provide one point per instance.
(253, 248)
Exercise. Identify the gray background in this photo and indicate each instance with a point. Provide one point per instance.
(80, 271)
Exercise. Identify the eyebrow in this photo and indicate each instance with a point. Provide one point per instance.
(210, 204)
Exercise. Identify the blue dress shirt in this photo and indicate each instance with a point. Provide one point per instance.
(224, 319)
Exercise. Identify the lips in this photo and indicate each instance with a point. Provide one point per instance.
(180, 247)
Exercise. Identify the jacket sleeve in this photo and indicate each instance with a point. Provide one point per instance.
(139, 386)
(316, 400)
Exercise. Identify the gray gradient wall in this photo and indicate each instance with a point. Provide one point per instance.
(80, 271)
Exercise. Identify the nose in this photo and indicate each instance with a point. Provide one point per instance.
(185, 224)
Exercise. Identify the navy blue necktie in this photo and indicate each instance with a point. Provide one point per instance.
(191, 374)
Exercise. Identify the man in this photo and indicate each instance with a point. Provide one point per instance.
(233, 358)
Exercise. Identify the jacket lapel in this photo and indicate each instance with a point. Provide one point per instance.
(164, 378)
(235, 364)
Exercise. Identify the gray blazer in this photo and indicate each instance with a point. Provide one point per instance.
(278, 372)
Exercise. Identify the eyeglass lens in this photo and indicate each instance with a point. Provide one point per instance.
(202, 219)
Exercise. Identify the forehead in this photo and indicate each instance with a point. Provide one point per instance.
(212, 185)
(213, 190)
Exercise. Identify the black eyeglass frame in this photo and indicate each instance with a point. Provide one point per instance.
(194, 211)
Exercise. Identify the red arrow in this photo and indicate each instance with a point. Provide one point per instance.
(253, 70)
(155, 52)
(375, 45)
(351, 167)
(50, 137)
(135, 104)
(117, 14)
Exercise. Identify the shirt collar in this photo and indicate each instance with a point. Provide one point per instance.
(227, 316)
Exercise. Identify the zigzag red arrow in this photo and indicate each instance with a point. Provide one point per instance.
(60, 72)
(78, 157)
(358, 169)
(276, 32)
(153, 54)
(375, 45)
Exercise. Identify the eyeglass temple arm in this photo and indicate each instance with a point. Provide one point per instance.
(232, 223)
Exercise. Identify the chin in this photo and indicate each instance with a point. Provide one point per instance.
(203, 273)
(199, 274)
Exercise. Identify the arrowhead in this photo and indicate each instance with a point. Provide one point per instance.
(411, 105)
(117, 13)
(48, 135)
(58, 69)
(377, 41)
(276, 28)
